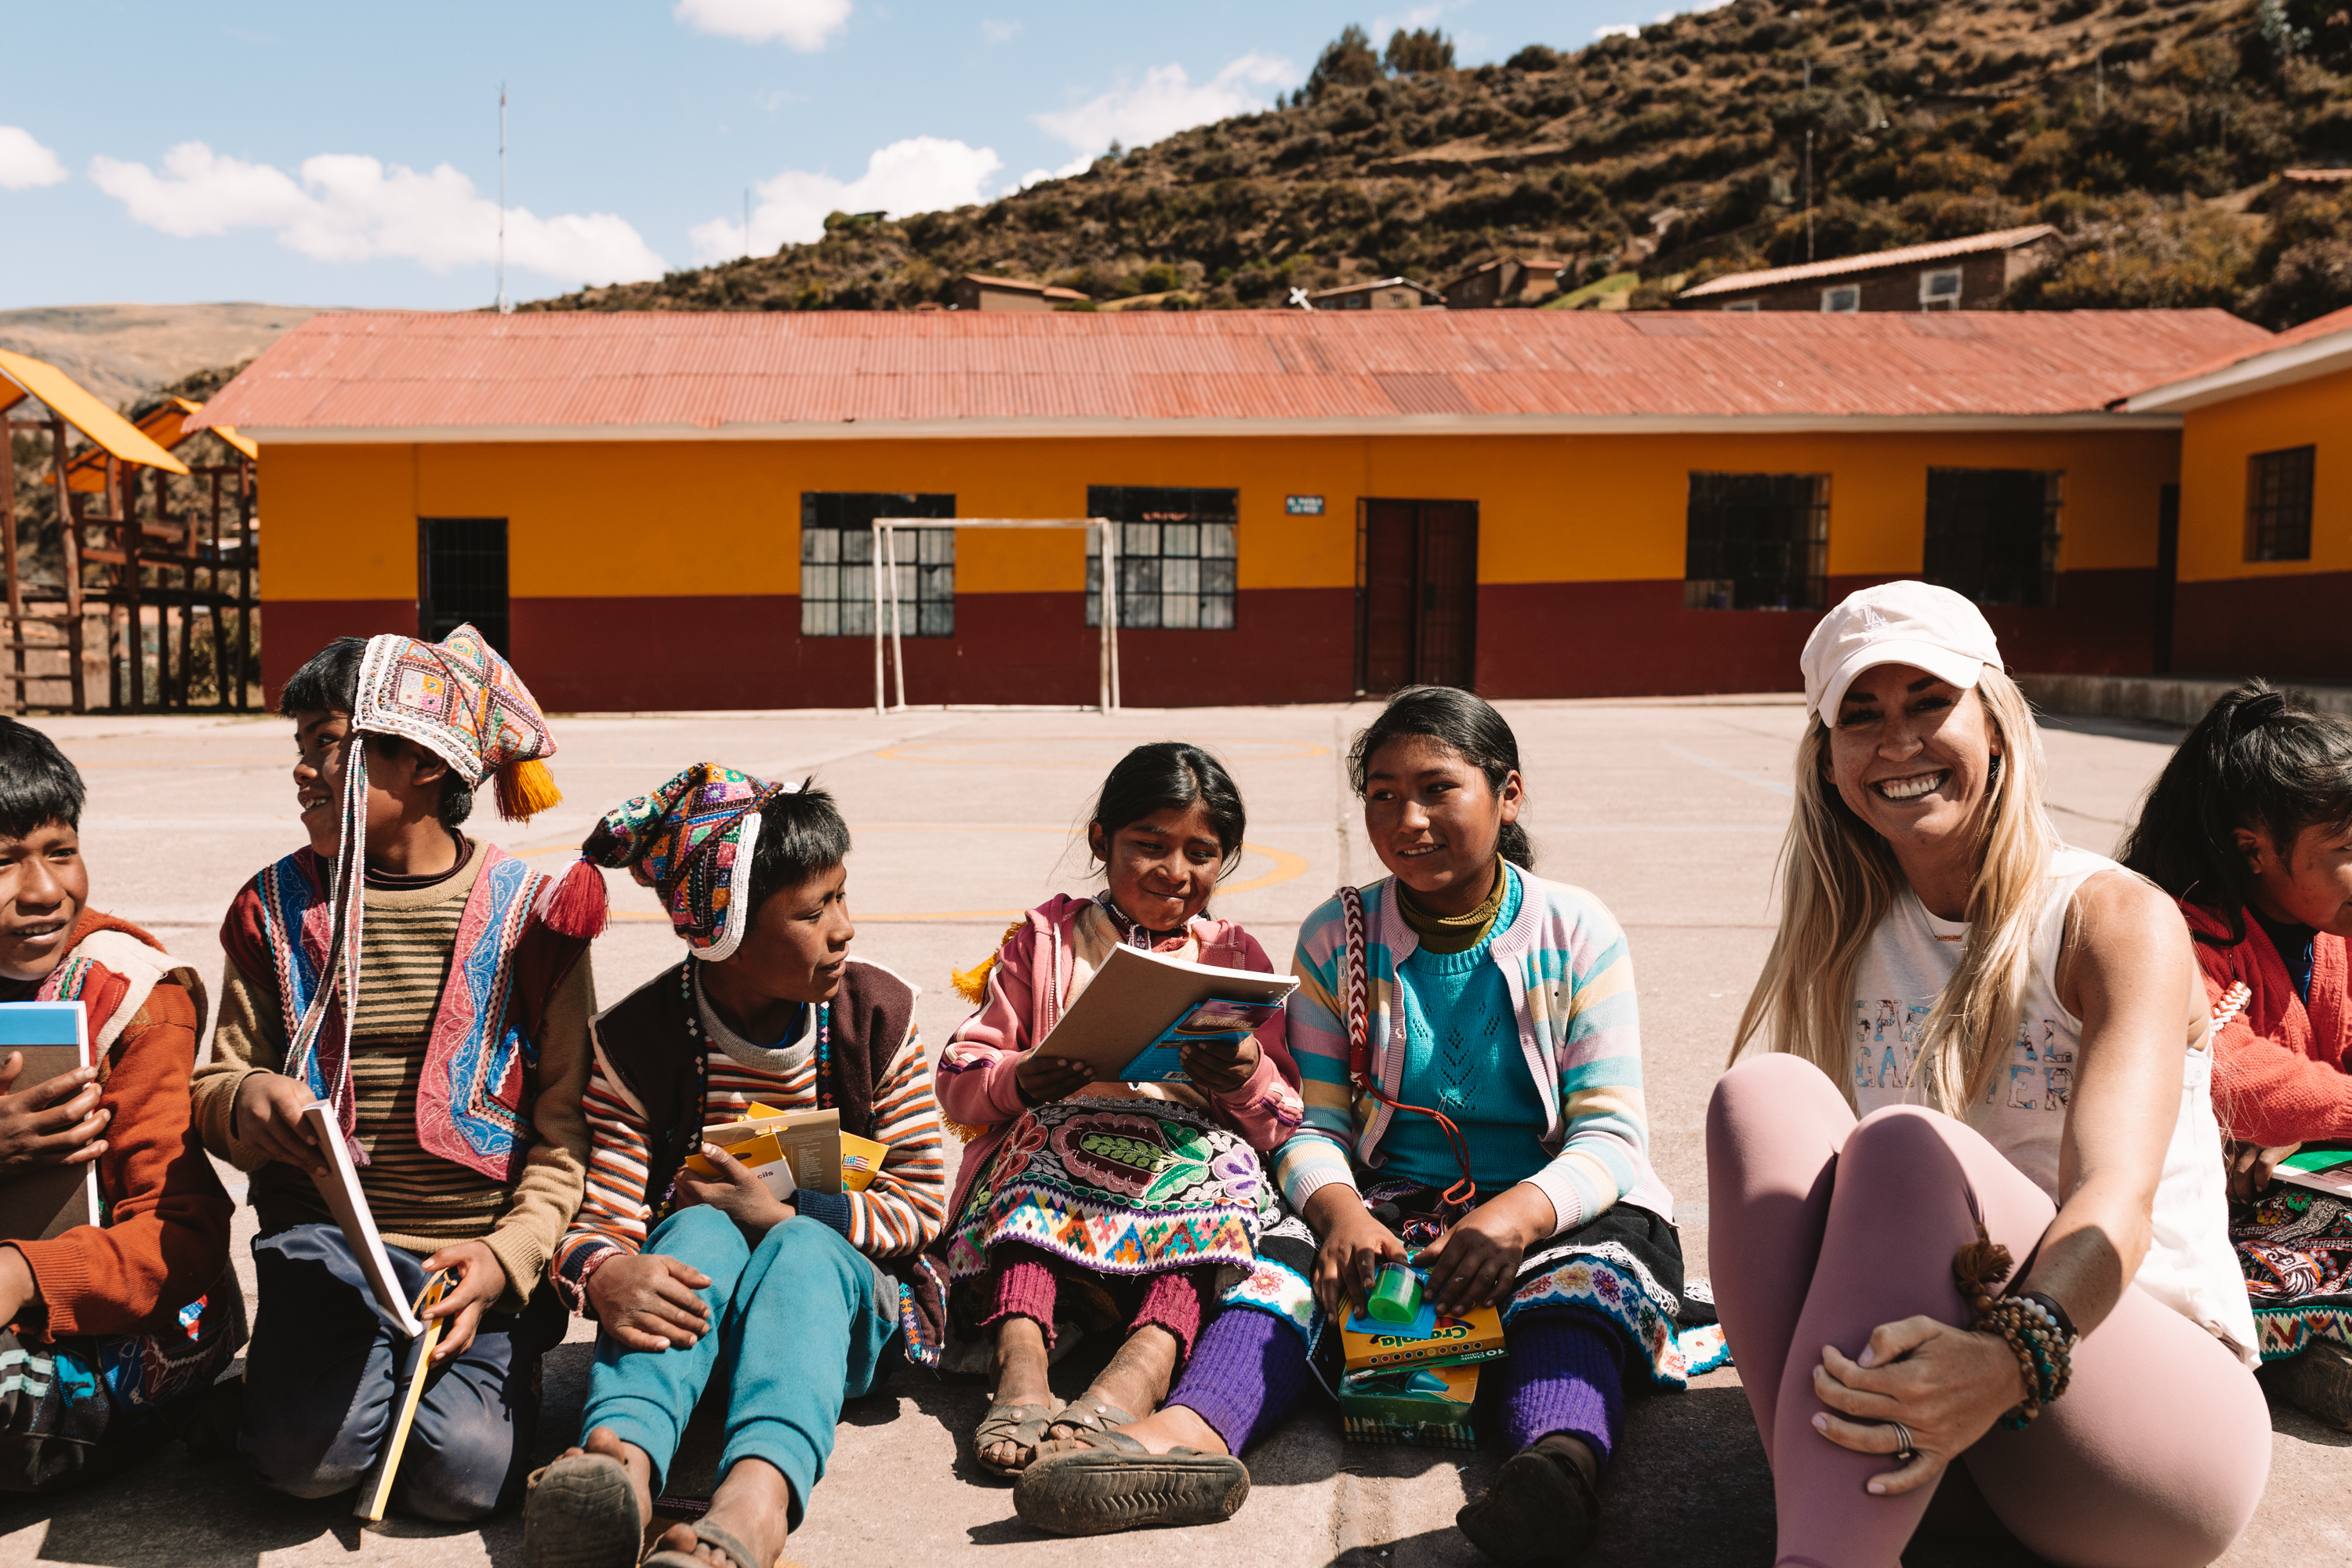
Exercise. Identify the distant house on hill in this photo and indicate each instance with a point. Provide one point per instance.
(1382, 294)
(983, 291)
(1506, 280)
(1968, 274)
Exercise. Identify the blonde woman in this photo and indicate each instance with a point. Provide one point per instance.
(2020, 1029)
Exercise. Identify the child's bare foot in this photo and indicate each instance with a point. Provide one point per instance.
(753, 1505)
(1135, 1383)
(1176, 1426)
(1021, 1370)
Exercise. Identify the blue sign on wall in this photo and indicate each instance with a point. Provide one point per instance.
(1303, 506)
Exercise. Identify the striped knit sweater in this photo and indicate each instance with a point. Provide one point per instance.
(898, 1215)
(1571, 985)
(420, 1201)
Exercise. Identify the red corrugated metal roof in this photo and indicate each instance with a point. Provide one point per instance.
(1908, 256)
(2170, 390)
(451, 373)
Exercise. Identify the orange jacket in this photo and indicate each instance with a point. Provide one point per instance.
(167, 1239)
(2279, 1069)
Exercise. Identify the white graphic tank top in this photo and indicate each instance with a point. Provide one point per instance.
(2191, 1266)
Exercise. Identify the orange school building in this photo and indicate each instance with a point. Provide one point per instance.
(670, 511)
(2265, 573)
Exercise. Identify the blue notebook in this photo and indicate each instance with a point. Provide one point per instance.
(46, 1202)
(1216, 1022)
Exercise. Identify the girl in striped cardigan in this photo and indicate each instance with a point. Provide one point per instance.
(1490, 1126)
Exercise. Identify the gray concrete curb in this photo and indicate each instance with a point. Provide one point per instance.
(2179, 699)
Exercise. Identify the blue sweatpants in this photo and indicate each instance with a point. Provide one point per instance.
(326, 1364)
(800, 1323)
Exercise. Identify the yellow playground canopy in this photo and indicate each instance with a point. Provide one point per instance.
(21, 375)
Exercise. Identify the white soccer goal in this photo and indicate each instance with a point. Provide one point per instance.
(886, 570)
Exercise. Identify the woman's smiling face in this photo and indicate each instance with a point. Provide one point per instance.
(1434, 820)
(1912, 755)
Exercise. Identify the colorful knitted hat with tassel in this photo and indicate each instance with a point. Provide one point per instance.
(691, 841)
(461, 701)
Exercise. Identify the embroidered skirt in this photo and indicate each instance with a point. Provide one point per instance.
(2294, 1247)
(1626, 1267)
(1118, 1187)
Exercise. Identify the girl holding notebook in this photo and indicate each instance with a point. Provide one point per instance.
(1109, 1203)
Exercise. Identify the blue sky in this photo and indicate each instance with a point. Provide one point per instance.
(342, 154)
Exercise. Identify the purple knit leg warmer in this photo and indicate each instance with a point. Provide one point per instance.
(1025, 1286)
(1247, 1370)
(1566, 1373)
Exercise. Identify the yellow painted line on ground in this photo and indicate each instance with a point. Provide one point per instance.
(1287, 868)
(908, 753)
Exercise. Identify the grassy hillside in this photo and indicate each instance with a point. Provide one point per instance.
(2145, 128)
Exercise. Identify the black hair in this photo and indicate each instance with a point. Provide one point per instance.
(1170, 775)
(328, 682)
(1462, 723)
(802, 836)
(38, 786)
(2256, 760)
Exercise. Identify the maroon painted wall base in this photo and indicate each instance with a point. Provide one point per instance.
(2285, 629)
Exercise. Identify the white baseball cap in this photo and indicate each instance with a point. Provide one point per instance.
(1915, 624)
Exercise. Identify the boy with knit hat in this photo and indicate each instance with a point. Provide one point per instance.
(793, 1304)
(434, 993)
(108, 1332)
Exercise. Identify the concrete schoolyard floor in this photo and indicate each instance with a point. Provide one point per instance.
(1670, 811)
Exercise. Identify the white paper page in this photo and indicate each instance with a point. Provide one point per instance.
(340, 1187)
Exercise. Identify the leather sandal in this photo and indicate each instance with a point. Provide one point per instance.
(708, 1534)
(581, 1512)
(1021, 1424)
(1088, 1413)
(1102, 1483)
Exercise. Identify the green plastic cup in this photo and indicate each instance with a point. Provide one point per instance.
(1396, 1295)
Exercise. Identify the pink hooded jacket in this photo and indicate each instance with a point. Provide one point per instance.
(1027, 991)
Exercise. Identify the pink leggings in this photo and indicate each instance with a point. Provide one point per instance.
(1822, 1228)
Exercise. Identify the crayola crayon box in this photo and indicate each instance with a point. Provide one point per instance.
(1428, 1340)
(1423, 1407)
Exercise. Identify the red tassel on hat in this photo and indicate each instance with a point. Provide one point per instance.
(577, 906)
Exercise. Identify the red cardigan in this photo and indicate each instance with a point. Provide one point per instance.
(2280, 1068)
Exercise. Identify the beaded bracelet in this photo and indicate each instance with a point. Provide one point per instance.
(2033, 1327)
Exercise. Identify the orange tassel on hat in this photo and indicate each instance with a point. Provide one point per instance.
(525, 789)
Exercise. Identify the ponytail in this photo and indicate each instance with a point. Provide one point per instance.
(2256, 760)
(1462, 723)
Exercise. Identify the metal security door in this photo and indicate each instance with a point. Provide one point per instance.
(1416, 594)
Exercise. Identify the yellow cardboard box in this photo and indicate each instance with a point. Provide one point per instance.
(1428, 1340)
(794, 1148)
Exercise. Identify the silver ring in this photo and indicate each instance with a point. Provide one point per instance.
(1904, 1452)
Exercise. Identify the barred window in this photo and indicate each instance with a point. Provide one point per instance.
(1992, 533)
(2278, 505)
(462, 577)
(1175, 556)
(1757, 542)
(837, 564)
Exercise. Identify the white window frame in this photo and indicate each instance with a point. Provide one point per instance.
(1745, 305)
(1830, 306)
(1934, 299)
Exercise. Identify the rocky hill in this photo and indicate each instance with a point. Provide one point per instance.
(2147, 130)
(124, 352)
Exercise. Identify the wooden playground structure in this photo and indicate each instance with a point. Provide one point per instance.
(128, 540)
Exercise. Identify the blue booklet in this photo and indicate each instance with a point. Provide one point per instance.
(1217, 1022)
(44, 1201)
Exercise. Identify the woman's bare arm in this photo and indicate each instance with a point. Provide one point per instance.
(2127, 971)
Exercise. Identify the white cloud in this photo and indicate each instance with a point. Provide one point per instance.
(1618, 30)
(803, 25)
(920, 174)
(349, 207)
(997, 32)
(1077, 165)
(24, 162)
(1165, 102)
